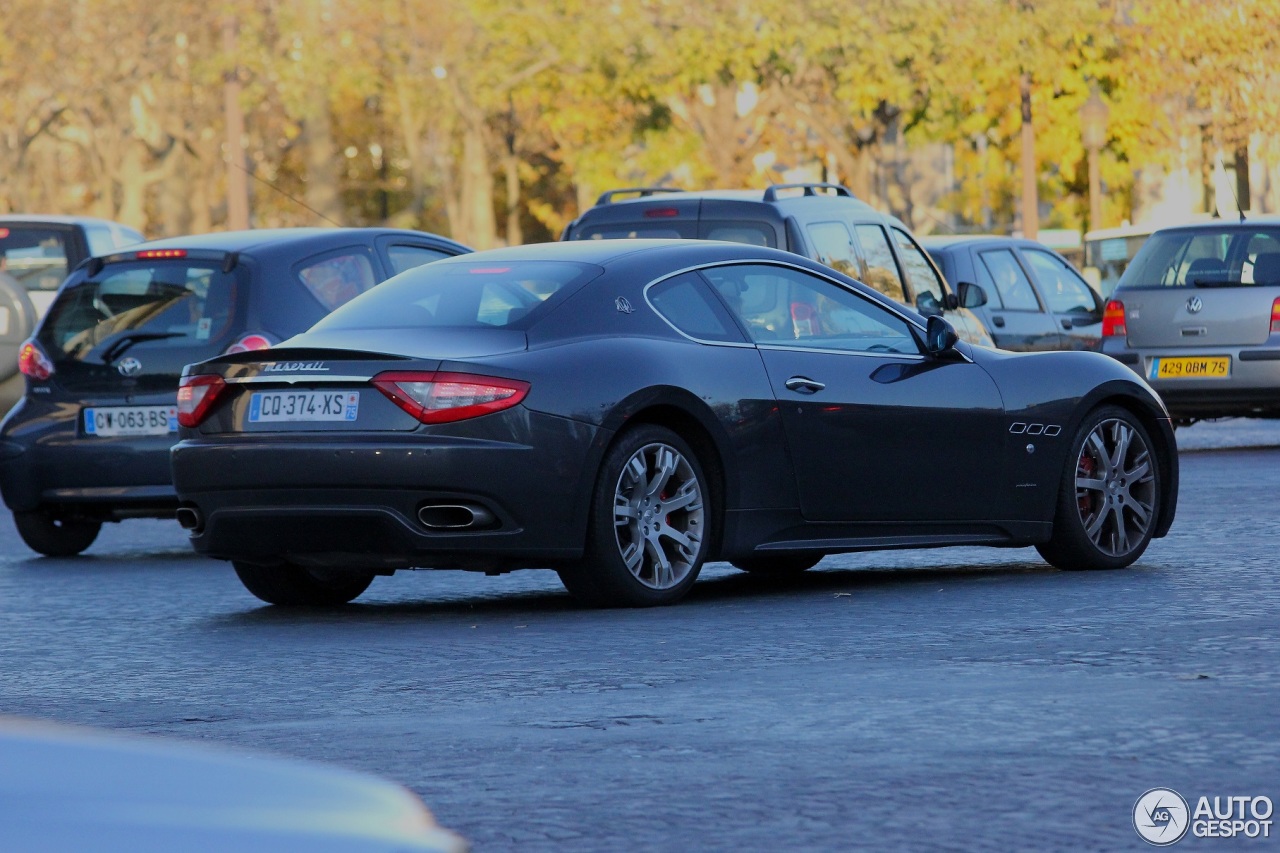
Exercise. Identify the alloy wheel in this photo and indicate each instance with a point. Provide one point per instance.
(1115, 487)
(658, 514)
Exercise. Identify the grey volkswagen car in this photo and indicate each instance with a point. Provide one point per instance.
(1197, 313)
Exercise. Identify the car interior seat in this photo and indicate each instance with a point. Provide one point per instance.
(1266, 268)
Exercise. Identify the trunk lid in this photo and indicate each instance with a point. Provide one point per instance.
(1199, 316)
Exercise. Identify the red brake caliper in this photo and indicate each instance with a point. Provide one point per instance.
(1088, 467)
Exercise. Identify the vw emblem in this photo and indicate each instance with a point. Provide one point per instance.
(622, 305)
(129, 366)
(1194, 305)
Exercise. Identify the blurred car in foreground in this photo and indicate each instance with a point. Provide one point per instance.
(624, 410)
(824, 222)
(90, 440)
(1035, 299)
(1197, 313)
(65, 788)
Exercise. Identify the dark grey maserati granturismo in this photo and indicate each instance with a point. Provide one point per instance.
(623, 411)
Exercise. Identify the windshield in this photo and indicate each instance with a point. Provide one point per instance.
(493, 295)
(1206, 257)
(170, 303)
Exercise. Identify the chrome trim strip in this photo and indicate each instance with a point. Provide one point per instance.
(294, 378)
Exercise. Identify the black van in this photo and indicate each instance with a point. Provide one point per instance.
(89, 442)
(824, 222)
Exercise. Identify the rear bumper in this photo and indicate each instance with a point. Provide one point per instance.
(1252, 389)
(354, 500)
(45, 460)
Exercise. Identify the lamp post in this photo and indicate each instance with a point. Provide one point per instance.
(1093, 131)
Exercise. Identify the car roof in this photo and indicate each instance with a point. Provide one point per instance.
(260, 238)
(602, 252)
(55, 219)
(1222, 224)
(978, 240)
(796, 193)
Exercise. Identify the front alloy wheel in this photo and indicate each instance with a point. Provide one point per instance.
(1107, 506)
(649, 529)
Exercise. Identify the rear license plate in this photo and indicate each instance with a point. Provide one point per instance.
(281, 406)
(111, 421)
(1203, 367)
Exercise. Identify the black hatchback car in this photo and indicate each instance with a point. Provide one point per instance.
(89, 442)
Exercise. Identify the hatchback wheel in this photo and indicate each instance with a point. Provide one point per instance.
(1109, 498)
(780, 566)
(291, 585)
(54, 535)
(649, 529)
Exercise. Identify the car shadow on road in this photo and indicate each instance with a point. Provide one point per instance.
(722, 588)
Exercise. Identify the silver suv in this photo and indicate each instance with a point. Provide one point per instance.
(1197, 313)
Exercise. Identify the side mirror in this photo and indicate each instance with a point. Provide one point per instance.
(971, 295)
(950, 301)
(939, 336)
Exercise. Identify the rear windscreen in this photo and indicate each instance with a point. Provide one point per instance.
(165, 304)
(494, 295)
(35, 255)
(1208, 257)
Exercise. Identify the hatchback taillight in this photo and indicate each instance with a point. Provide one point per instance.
(196, 396)
(250, 342)
(437, 398)
(33, 362)
(1113, 320)
(1275, 317)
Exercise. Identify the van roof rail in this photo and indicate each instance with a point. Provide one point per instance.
(642, 192)
(771, 194)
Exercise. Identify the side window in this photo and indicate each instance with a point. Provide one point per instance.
(751, 233)
(338, 278)
(882, 269)
(686, 303)
(1060, 286)
(1011, 282)
(405, 257)
(834, 246)
(926, 285)
(787, 307)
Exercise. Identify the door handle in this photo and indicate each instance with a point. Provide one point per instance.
(998, 322)
(804, 385)
(1066, 324)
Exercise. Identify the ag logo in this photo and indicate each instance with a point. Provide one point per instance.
(1194, 305)
(1161, 817)
(129, 366)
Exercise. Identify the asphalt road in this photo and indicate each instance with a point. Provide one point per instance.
(964, 699)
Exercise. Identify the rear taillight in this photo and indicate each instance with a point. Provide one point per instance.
(661, 212)
(155, 254)
(1275, 317)
(33, 362)
(1113, 320)
(196, 396)
(249, 343)
(437, 398)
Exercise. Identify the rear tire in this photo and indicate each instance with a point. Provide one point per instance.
(296, 586)
(780, 566)
(649, 528)
(1109, 497)
(53, 535)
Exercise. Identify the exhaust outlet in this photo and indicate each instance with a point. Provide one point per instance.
(190, 519)
(454, 516)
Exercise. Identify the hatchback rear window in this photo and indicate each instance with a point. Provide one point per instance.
(35, 255)
(172, 303)
(493, 295)
(1206, 257)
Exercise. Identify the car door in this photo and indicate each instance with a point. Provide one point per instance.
(1018, 319)
(877, 431)
(1075, 307)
